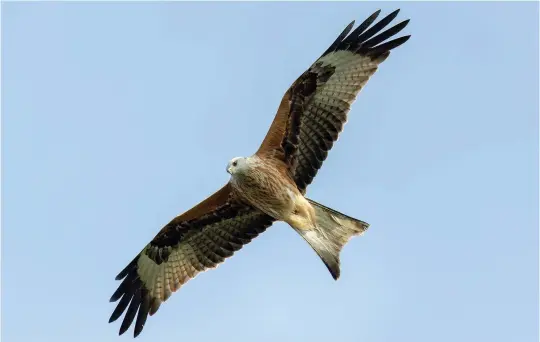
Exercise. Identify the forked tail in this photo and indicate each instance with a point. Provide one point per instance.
(332, 232)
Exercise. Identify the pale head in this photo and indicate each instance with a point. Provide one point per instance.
(237, 165)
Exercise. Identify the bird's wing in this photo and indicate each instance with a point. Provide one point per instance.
(193, 242)
(315, 108)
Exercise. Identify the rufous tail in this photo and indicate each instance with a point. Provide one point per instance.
(332, 231)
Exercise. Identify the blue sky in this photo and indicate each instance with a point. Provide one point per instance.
(117, 117)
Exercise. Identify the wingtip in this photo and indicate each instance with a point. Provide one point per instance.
(374, 15)
(405, 22)
(393, 15)
(122, 330)
(137, 332)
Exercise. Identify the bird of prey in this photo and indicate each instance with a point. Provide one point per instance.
(271, 184)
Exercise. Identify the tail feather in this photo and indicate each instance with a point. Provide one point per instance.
(331, 234)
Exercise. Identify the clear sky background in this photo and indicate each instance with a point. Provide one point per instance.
(117, 117)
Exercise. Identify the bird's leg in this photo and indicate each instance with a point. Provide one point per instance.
(303, 216)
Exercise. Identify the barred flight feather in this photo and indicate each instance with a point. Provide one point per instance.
(182, 250)
(315, 109)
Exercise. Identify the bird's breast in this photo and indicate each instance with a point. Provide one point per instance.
(268, 189)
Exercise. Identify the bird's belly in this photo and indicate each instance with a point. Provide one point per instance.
(268, 192)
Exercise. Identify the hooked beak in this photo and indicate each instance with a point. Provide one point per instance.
(229, 170)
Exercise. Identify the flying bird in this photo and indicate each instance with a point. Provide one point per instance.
(271, 184)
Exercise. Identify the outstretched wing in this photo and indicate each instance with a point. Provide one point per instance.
(193, 242)
(315, 108)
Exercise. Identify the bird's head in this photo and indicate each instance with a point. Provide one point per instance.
(236, 165)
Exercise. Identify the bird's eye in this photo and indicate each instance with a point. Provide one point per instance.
(234, 163)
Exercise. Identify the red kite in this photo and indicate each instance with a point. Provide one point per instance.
(270, 185)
